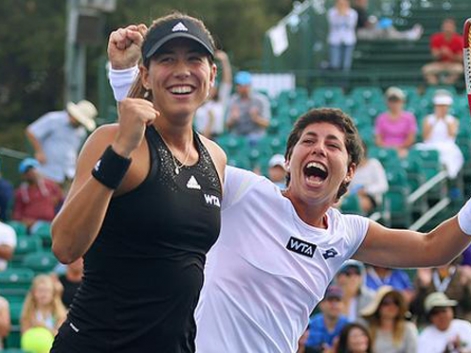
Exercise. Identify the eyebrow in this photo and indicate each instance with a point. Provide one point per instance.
(329, 137)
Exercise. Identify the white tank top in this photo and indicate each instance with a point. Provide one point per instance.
(268, 270)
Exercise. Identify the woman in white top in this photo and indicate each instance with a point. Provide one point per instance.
(370, 183)
(439, 133)
(342, 21)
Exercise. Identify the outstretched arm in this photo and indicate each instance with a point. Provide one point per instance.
(405, 248)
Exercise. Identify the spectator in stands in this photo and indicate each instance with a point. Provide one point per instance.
(446, 48)
(302, 348)
(386, 320)
(7, 244)
(377, 277)
(43, 306)
(5, 320)
(37, 198)
(6, 196)
(356, 295)
(450, 279)
(395, 128)
(341, 38)
(369, 183)
(248, 111)
(444, 334)
(326, 326)
(56, 138)
(354, 338)
(277, 170)
(209, 118)
(71, 280)
(439, 133)
(372, 28)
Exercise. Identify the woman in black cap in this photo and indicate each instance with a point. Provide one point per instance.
(144, 207)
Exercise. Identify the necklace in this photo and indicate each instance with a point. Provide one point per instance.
(174, 160)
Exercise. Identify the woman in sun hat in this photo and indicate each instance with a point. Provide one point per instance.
(144, 208)
(386, 321)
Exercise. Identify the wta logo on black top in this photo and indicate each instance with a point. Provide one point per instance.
(301, 247)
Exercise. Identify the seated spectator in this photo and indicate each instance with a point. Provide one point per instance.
(37, 198)
(356, 295)
(43, 306)
(444, 333)
(71, 280)
(354, 338)
(377, 277)
(6, 196)
(369, 183)
(446, 48)
(372, 28)
(209, 118)
(277, 170)
(450, 279)
(248, 111)
(7, 244)
(395, 128)
(386, 321)
(439, 133)
(302, 348)
(5, 320)
(326, 326)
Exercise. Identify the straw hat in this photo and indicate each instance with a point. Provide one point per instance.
(382, 292)
(84, 112)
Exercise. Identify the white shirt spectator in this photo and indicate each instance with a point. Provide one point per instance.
(7, 238)
(432, 340)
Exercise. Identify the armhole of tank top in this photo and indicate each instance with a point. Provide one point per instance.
(152, 137)
(203, 150)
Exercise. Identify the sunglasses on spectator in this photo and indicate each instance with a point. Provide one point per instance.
(350, 272)
(389, 301)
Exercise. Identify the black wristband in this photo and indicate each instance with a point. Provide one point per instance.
(111, 168)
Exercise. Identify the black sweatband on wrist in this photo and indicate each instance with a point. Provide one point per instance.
(111, 168)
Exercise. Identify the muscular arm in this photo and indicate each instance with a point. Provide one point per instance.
(405, 248)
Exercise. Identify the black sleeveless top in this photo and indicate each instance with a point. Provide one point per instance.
(144, 272)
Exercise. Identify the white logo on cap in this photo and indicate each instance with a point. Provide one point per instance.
(179, 27)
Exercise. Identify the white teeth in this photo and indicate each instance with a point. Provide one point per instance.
(181, 89)
(317, 165)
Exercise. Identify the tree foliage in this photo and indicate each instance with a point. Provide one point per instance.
(33, 36)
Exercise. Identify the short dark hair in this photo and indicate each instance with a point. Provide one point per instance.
(335, 117)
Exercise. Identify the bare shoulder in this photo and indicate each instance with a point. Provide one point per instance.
(217, 154)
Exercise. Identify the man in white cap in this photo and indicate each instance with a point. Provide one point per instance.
(444, 334)
(56, 138)
(277, 170)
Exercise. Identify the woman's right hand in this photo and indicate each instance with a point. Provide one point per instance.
(124, 46)
(134, 115)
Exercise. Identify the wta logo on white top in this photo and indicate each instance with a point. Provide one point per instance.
(301, 247)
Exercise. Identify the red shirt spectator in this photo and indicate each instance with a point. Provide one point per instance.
(37, 198)
(447, 51)
(454, 43)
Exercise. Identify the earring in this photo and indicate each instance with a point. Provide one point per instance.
(146, 94)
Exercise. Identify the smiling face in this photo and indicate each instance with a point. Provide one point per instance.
(180, 76)
(323, 151)
(319, 163)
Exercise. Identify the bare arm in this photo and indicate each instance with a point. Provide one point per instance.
(405, 248)
(76, 226)
(225, 65)
(426, 129)
(38, 148)
(6, 252)
(5, 321)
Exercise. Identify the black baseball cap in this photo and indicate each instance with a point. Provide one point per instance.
(175, 28)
